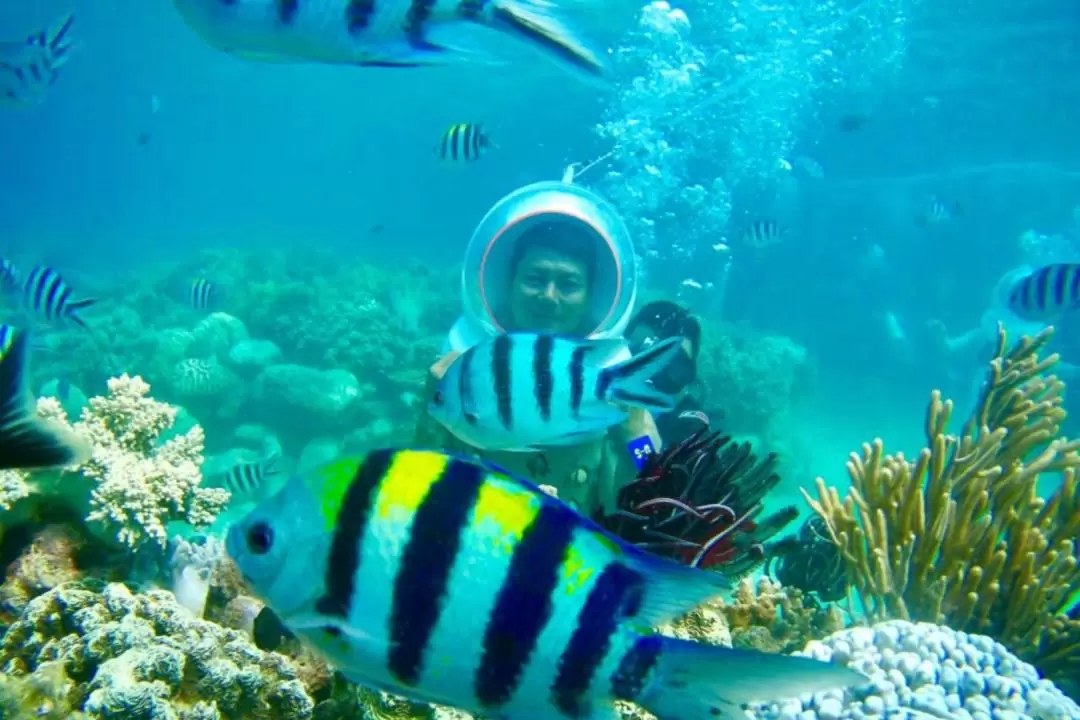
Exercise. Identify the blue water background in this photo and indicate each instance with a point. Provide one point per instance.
(260, 155)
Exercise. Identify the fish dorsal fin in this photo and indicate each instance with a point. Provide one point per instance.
(607, 351)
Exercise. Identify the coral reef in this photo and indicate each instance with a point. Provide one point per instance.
(764, 616)
(756, 379)
(960, 535)
(698, 502)
(927, 671)
(133, 484)
(112, 654)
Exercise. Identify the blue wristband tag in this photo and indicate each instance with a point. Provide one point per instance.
(640, 449)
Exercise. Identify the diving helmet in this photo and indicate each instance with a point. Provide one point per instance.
(485, 279)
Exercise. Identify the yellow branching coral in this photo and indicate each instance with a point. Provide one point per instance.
(960, 535)
(137, 484)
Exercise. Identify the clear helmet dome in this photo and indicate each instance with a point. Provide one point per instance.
(570, 210)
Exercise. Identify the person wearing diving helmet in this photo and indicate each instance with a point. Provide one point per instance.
(550, 257)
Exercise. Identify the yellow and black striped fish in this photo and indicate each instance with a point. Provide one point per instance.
(448, 581)
(463, 143)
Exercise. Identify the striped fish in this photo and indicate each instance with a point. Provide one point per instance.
(524, 391)
(936, 211)
(26, 440)
(387, 33)
(47, 295)
(202, 294)
(245, 479)
(763, 233)
(28, 68)
(446, 581)
(1047, 292)
(463, 143)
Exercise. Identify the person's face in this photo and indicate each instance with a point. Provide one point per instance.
(549, 292)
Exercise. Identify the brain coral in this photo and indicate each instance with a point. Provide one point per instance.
(927, 671)
(144, 657)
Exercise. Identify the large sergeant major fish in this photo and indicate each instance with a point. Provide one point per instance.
(384, 33)
(525, 391)
(447, 581)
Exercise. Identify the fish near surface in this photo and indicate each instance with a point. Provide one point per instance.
(387, 33)
(447, 581)
(28, 68)
(525, 391)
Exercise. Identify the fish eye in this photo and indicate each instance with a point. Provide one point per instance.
(437, 398)
(260, 538)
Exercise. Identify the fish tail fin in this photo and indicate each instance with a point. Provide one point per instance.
(73, 309)
(677, 679)
(536, 23)
(56, 44)
(27, 441)
(627, 382)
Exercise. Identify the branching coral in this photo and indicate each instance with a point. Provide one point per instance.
(133, 484)
(960, 536)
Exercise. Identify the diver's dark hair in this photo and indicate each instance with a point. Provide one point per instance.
(668, 319)
(562, 238)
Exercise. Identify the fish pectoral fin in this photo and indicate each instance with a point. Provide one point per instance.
(315, 622)
(675, 590)
(534, 22)
(456, 42)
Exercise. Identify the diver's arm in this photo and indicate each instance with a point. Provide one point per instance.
(619, 467)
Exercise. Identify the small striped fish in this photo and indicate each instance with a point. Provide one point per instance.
(446, 581)
(28, 68)
(763, 233)
(46, 294)
(245, 479)
(937, 212)
(26, 440)
(523, 391)
(463, 143)
(202, 294)
(1047, 292)
(387, 33)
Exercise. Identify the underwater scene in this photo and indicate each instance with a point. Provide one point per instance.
(539, 360)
